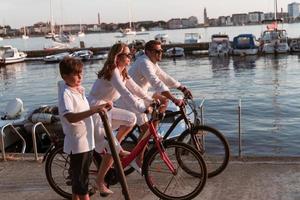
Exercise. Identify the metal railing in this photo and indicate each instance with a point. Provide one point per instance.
(201, 108)
(33, 132)
(3, 134)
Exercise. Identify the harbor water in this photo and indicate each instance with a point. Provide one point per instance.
(267, 86)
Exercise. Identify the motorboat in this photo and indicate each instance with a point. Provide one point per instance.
(64, 38)
(274, 40)
(81, 34)
(192, 38)
(175, 52)
(100, 56)
(219, 45)
(82, 54)
(295, 45)
(162, 37)
(55, 46)
(244, 44)
(21, 133)
(9, 55)
(50, 35)
(56, 57)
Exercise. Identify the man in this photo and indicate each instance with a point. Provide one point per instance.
(146, 72)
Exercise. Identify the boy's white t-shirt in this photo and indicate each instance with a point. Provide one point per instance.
(79, 136)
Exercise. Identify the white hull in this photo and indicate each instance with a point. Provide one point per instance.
(245, 51)
(272, 48)
(14, 60)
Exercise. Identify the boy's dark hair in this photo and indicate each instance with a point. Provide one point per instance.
(150, 44)
(70, 65)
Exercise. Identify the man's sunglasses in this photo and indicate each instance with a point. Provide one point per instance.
(157, 51)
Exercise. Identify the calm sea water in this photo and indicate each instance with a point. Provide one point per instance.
(268, 87)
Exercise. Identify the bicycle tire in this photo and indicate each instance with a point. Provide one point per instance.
(215, 151)
(61, 183)
(156, 173)
(59, 178)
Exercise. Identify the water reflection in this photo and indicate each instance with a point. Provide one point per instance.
(220, 66)
(241, 63)
(11, 71)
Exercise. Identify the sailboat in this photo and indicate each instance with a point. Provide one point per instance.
(80, 33)
(51, 34)
(128, 31)
(25, 36)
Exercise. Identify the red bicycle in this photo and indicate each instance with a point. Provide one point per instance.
(164, 167)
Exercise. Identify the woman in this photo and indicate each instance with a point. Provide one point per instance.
(113, 82)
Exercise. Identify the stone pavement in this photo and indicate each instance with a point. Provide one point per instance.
(247, 179)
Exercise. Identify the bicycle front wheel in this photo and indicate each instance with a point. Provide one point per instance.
(211, 144)
(181, 185)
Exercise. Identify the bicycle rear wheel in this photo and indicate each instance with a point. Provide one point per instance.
(211, 144)
(58, 173)
(180, 186)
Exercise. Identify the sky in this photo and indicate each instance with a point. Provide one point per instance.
(19, 13)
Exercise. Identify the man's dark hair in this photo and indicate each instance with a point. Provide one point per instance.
(150, 44)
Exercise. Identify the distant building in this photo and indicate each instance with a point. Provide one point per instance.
(191, 22)
(269, 16)
(240, 19)
(206, 20)
(294, 10)
(174, 23)
(256, 17)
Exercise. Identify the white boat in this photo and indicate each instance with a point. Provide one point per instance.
(9, 55)
(244, 44)
(1, 38)
(192, 38)
(17, 128)
(162, 37)
(274, 40)
(64, 37)
(25, 36)
(127, 32)
(56, 57)
(82, 54)
(81, 34)
(175, 52)
(219, 45)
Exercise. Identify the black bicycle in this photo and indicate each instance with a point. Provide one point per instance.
(209, 141)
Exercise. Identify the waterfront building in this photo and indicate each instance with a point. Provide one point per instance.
(190, 22)
(174, 23)
(256, 17)
(269, 16)
(240, 19)
(294, 10)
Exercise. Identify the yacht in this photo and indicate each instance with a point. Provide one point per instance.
(191, 38)
(274, 41)
(9, 55)
(175, 52)
(244, 44)
(219, 45)
(162, 37)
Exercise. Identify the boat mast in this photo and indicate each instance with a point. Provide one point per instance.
(275, 8)
(129, 14)
(51, 19)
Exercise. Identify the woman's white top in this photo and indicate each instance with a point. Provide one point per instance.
(79, 136)
(105, 91)
(147, 74)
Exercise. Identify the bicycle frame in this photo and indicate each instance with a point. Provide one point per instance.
(140, 146)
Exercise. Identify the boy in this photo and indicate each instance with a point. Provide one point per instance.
(75, 114)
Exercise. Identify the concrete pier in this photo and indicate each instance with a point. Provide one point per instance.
(244, 179)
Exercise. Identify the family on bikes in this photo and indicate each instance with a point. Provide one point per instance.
(128, 93)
